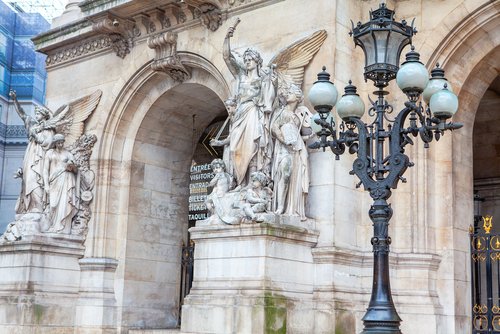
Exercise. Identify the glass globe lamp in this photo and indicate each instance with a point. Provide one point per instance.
(350, 104)
(323, 94)
(412, 77)
(443, 104)
(436, 83)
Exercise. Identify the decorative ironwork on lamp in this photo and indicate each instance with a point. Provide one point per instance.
(380, 166)
(382, 40)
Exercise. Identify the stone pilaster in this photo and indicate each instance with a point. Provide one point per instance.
(96, 306)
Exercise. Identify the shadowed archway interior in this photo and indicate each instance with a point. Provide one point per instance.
(486, 148)
(158, 203)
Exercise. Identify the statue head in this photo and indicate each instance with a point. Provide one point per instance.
(218, 164)
(230, 102)
(42, 112)
(231, 105)
(289, 93)
(58, 140)
(252, 55)
(259, 177)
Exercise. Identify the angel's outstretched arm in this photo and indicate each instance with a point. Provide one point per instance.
(232, 63)
(20, 111)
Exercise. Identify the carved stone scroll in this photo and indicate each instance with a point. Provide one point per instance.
(166, 58)
(120, 32)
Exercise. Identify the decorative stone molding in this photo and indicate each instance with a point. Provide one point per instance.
(210, 16)
(121, 29)
(85, 48)
(120, 32)
(166, 58)
(82, 149)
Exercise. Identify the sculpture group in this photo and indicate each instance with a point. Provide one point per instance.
(56, 178)
(264, 170)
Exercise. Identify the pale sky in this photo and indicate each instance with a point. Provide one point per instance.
(47, 8)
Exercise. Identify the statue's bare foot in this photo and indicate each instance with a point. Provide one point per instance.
(279, 210)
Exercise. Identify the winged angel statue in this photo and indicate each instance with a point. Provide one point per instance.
(263, 97)
(56, 179)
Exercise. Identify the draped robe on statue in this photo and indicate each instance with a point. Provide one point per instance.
(31, 198)
(250, 141)
(62, 190)
(299, 178)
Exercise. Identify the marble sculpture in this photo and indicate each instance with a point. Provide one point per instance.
(265, 150)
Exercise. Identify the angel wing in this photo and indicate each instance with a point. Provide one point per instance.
(69, 119)
(291, 61)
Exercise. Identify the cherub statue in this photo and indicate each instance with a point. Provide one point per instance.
(257, 197)
(221, 183)
(250, 142)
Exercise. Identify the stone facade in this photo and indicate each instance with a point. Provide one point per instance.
(159, 93)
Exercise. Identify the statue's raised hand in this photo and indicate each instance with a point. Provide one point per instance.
(230, 31)
(12, 94)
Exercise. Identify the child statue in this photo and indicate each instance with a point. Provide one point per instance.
(257, 197)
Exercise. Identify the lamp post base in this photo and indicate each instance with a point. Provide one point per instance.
(381, 316)
(381, 320)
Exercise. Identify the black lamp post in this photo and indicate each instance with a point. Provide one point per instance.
(381, 165)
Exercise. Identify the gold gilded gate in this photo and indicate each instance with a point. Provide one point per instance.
(485, 277)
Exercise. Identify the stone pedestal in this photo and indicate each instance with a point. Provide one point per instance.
(251, 278)
(39, 283)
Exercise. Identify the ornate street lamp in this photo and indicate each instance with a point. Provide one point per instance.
(381, 165)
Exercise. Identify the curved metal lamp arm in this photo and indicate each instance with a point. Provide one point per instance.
(361, 137)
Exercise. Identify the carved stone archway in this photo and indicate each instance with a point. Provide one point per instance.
(141, 193)
(470, 54)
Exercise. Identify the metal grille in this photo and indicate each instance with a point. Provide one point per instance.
(485, 278)
(187, 262)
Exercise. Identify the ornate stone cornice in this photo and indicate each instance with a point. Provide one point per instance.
(121, 33)
(210, 15)
(166, 58)
(119, 24)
